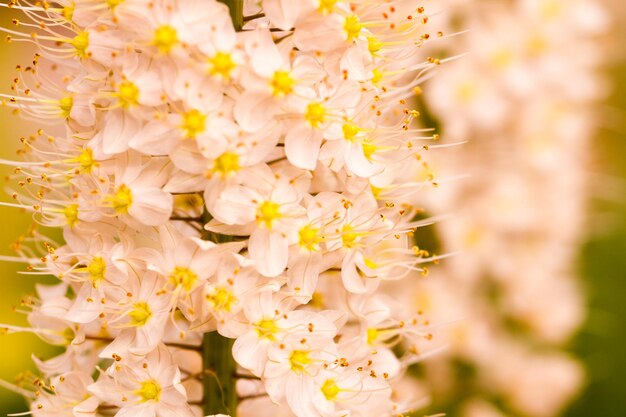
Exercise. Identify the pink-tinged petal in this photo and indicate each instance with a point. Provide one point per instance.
(282, 13)
(299, 395)
(48, 292)
(197, 91)
(387, 360)
(332, 154)
(151, 206)
(83, 112)
(235, 206)
(87, 306)
(230, 230)
(74, 384)
(263, 52)
(251, 352)
(117, 132)
(155, 138)
(277, 367)
(357, 63)
(323, 326)
(182, 182)
(140, 410)
(255, 110)
(304, 273)
(337, 317)
(150, 85)
(192, 18)
(179, 410)
(269, 250)
(320, 34)
(302, 147)
(153, 174)
(350, 276)
(86, 408)
(259, 177)
(207, 259)
(307, 71)
(187, 157)
(120, 344)
(358, 163)
(106, 390)
(275, 387)
(150, 335)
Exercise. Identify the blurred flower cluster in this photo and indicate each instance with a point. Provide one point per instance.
(523, 98)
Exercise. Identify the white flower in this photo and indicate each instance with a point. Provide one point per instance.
(69, 398)
(148, 388)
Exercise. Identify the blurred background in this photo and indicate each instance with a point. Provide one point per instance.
(601, 261)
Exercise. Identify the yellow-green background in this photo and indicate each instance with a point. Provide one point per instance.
(601, 344)
(15, 349)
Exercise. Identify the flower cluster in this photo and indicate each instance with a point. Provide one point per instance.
(524, 101)
(260, 184)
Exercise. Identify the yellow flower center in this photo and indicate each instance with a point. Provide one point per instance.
(330, 389)
(299, 360)
(165, 38)
(122, 199)
(370, 263)
(315, 114)
(282, 83)
(183, 276)
(80, 44)
(376, 191)
(140, 314)
(66, 104)
(473, 237)
(267, 328)
(372, 335)
(348, 236)
(327, 6)
(377, 76)
(128, 94)
(352, 26)
(374, 45)
(267, 213)
(537, 44)
(502, 58)
(226, 164)
(309, 237)
(96, 270)
(368, 150)
(149, 391)
(551, 9)
(466, 92)
(114, 3)
(71, 214)
(194, 123)
(222, 299)
(350, 131)
(85, 159)
(222, 64)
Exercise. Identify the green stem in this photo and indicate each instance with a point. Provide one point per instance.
(236, 12)
(220, 395)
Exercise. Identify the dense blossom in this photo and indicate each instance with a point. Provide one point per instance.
(251, 183)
